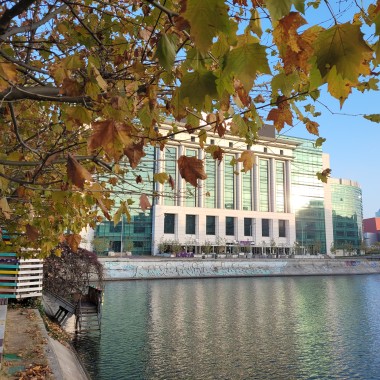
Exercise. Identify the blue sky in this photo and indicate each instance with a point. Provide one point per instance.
(352, 142)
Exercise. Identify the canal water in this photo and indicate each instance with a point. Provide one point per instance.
(237, 328)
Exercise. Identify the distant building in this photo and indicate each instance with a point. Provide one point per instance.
(278, 203)
(371, 228)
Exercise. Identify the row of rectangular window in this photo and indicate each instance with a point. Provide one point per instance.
(190, 229)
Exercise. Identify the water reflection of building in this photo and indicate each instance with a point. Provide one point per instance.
(278, 203)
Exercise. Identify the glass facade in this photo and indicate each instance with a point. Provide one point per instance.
(229, 183)
(230, 226)
(264, 185)
(191, 191)
(246, 199)
(136, 235)
(210, 225)
(170, 168)
(280, 186)
(347, 215)
(308, 196)
(210, 183)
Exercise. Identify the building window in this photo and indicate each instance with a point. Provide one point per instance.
(230, 144)
(190, 224)
(191, 191)
(265, 227)
(265, 150)
(229, 183)
(246, 181)
(282, 228)
(210, 225)
(230, 226)
(212, 141)
(170, 169)
(116, 228)
(280, 186)
(169, 223)
(264, 185)
(281, 152)
(210, 183)
(192, 138)
(247, 226)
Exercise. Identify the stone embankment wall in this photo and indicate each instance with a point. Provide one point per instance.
(151, 268)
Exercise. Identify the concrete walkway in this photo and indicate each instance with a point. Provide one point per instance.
(27, 344)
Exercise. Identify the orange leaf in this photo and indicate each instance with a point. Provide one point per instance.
(71, 87)
(73, 240)
(76, 172)
(191, 169)
(135, 152)
(111, 136)
(144, 202)
(248, 159)
(31, 232)
(312, 127)
(280, 117)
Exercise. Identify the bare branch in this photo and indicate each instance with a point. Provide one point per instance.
(16, 10)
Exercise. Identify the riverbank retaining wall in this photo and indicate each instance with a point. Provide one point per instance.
(152, 268)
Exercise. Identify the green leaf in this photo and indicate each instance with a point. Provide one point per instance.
(245, 62)
(206, 19)
(280, 8)
(166, 51)
(319, 141)
(285, 83)
(204, 83)
(344, 48)
(161, 177)
(375, 117)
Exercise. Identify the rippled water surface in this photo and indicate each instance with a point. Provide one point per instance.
(247, 328)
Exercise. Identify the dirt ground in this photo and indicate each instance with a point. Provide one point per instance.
(24, 354)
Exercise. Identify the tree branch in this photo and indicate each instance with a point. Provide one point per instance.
(33, 26)
(16, 10)
(41, 93)
(17, 62)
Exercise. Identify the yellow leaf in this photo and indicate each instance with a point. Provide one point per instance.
(248, 159)
(5, 208)
(161, 177)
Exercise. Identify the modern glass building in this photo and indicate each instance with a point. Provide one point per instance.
(278, 203)
(347, 213)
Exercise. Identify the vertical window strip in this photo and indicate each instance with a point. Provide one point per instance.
(191, 191)
(264, 185)
(247, 190)
(229, 183)
(170, 168)
(280, 186)
(210, 184)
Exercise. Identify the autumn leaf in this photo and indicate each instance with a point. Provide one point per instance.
(278, 9)
(139, 179)
(312, 126)
(5, 208)
(31, 232)
(144, 202)
(319, 141)
(71, 87)
(191, 169)
(281, 115)
(77, 174)
(112, 136)
(161, 177)
(73, 240)
(375, 117)
(248, 159)
(215, 151)
(134, 152)
(324, 175)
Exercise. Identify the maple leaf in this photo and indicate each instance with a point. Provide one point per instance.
(375, 117)
(4, 206)
(73, 241)
(281, 115)
(215, 151)
(248, 159)
(278, 9)
(312, 126)
(191, 169)
(31, 232)
(341, 53)
(144, 202)
(319, 141)
(135, 152)
(112, 136)
(76, 172)
(206, 20)
(204, 82)
(245, 62)
(259, 99)
(166, 51)
(71, 87)
(139, 179)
